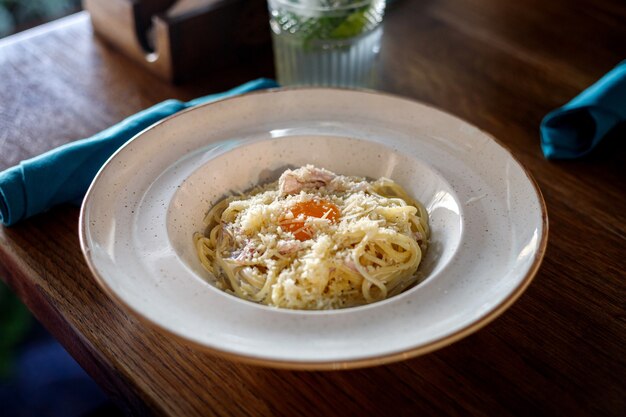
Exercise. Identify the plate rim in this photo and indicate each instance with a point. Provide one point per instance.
(324, 365)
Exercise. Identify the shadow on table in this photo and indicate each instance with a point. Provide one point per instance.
(612, 147)
(606, 161)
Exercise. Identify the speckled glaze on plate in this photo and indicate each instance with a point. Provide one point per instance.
(488, 221)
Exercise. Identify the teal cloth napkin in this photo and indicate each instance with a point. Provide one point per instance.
(576, 128)
(63, 175)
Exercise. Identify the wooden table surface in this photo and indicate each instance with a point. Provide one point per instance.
(501, 65)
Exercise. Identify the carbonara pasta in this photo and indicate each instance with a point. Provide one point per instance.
(315, 240)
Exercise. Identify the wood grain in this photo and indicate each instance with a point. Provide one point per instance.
(560, 350)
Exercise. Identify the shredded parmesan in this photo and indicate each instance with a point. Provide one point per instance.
(361, 250)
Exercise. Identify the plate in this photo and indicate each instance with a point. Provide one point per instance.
(488, 223)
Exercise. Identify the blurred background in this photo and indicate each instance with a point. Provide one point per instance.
(37, 376)
(19, 15)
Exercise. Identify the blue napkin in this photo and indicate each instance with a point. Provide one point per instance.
(63, 174)
(576, 128)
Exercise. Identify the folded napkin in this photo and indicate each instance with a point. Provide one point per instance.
(63, 174)
(576, 128)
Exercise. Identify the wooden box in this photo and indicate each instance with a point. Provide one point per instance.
(179, 40)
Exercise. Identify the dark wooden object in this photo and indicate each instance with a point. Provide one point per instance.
(560, 350)
(183, 40)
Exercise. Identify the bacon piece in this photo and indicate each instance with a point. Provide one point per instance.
(307, 177)
(350, 264)
(245, 254)
(287, 247)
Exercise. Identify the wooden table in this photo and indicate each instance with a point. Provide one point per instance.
(560, 350)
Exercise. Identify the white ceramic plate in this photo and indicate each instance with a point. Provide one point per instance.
(488, 220)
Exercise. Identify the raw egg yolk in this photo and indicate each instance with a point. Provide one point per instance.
(313, 208)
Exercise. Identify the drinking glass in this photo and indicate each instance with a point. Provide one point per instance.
(326, 42)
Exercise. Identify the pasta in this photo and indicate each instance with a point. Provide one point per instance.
(315, 240)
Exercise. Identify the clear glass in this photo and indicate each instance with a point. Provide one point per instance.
(326, 42)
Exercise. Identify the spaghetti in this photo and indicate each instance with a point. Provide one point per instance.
(315, 240)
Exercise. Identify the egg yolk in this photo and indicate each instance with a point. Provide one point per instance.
(313, 208)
